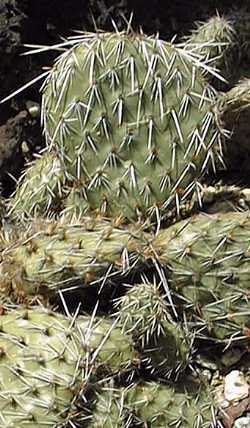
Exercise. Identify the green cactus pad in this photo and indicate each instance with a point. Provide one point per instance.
(212, 39)
(142, 311)
(39, 190)
(39, 369)
(56, 256)
(208, 267)
(132, 120)
(107, 410)
(47, 359)
(161, 406)
(165, 345)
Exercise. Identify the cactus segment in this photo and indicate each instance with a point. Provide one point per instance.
(211, 39)
(170, 353)
(57, 256)
(164, 344)
(142, 311)
(39, 369)
(104, 346)
(161, 406)
(39, 190)
(48, 359)
(75, 204)
(237, 99)
(224, 198)
(207, 262)
(107, 410)
(234, 110)
(132, 120)
(192, 403)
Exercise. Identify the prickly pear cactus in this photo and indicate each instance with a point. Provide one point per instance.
(205, 259)
(143, 311)
(107, 409)
(40, 189)
(55, 256)
(132, 125)
(164, 343)
(207, 263)
(47, 359)
(160, 406)
(192, 403)
(212, 39)
(133, 122)
(39, 369)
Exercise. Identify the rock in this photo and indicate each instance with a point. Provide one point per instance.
(235, 387)
(10, 145)
(243, 422)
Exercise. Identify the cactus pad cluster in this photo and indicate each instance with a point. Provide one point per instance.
(132, 126)
(131, 118)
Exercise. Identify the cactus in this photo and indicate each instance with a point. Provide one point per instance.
(74, 204)
(225, 198)
(48, 359)
(207, 263)
(212, 39)
(205, 259)
(107, 409)
(143, 311)
(40, 189)
(39, 369)
(193, 402)
(131, 118)
(144, 127)
(161, 406)
(164, 343)
(234, 107)
(53, 256)
(105, 347)
(237, 58)
(132, 125)
(155, 405)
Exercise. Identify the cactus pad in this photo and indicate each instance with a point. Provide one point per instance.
(132, 119)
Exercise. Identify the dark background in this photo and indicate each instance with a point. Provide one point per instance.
(45, 22)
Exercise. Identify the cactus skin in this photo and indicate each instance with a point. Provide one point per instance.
(154, 405)
(205, 260)
(164, 344)
(74, 204)
(161, 406)
(107, 410)
(147, 136)
(39, 190)
(47, 358)
(39, 369)
(169, 354)
(143, 311)
(131, 118)
(55, 256)
(207, 263)
(212, 39)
